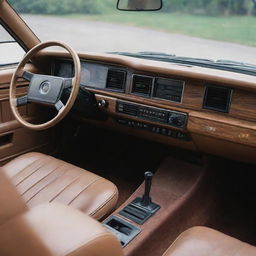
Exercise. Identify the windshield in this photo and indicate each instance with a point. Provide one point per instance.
(202, 29)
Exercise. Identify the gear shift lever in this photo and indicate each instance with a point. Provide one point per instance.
(141, 208)
(146, 200)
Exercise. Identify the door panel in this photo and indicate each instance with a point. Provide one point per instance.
(14, 138)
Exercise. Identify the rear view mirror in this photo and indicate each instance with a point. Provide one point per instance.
(139, 5)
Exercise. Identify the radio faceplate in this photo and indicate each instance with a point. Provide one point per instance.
(158, 115)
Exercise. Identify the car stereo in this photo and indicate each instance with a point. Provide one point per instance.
(159, 115)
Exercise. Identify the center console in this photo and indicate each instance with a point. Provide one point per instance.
(139, 211)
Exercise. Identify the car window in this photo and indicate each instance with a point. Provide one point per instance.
(208, 33)
(10, 51)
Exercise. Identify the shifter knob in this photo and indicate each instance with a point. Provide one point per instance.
(148, 175)
(146, 200)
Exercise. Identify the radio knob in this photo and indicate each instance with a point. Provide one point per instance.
(176, 120)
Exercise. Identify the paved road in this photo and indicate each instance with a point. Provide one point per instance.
(86, 35)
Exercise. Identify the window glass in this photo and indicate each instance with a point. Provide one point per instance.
(215, 30)
(10, 51)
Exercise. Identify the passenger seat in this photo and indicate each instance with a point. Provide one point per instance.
(202, 241)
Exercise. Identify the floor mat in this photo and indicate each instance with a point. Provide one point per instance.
(236, 202)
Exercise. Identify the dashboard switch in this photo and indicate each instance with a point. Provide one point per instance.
(102, 103)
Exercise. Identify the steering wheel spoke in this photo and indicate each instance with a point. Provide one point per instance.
(21, 101)
(59, 105)
(27, 75)
(67, 83)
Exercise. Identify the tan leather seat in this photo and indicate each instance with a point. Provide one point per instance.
(49, 229)
(41, 179)
(202, 241)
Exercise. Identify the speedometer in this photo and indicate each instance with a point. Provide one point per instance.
(94, 75)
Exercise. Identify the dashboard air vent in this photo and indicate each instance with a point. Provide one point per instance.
(169, 89)
(116, 79)
(217, 98)
(142, 85)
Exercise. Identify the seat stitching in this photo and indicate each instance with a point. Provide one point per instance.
(43, 178)
(101, 208)
(29, 165)
(39, 167)
(49, 183)
(105, 203)
(73, 181)
(87, 186)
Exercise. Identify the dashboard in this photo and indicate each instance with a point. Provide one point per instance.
(194, 108)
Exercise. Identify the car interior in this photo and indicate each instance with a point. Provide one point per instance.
(107, 154)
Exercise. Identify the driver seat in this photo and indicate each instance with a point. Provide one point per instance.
(43, 179)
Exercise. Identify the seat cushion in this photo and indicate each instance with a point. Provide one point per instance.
(56, 230)
(202, 241)
(42, 179)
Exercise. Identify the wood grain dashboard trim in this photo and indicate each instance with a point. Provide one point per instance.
(237, 80)
(211, 132)
(192, 96)
(241, 107)
(223, 131)
(213, 125)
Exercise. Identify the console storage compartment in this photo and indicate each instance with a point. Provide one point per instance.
(123, 230)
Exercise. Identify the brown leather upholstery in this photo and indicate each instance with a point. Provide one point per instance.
(41, 179)
(49, 229)
(10, 201)
(53, 230)
(202, 241)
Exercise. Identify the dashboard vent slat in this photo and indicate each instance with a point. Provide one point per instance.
(142, 85)
(116, 79)
(217, 98)
(168, 89)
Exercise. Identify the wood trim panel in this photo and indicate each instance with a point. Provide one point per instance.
(223, 130)
(236, 80)
(243, 105)
(194, 89)
(213, 125)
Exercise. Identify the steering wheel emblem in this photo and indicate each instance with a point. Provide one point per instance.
(45, 87)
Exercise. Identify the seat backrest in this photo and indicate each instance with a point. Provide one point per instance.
(203, 241)
(11, 204)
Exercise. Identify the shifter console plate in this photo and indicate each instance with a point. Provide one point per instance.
(138, 213)
(123, 230)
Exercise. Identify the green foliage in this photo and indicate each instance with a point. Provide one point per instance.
(210, 7)
(62, 7)
(197, 7)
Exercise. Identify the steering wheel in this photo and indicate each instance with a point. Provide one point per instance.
(44, 89)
